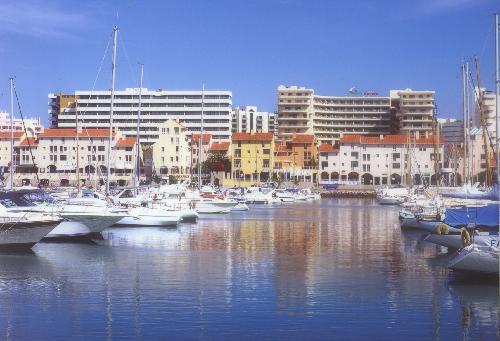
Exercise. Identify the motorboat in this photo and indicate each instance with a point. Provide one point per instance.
(83, 216)
(454, 241)
(145, 216)
(389, 200)
(257, 195)
(284, 195)
(241, 206)
(20, 230)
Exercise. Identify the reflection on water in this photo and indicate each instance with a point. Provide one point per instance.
(335, 269)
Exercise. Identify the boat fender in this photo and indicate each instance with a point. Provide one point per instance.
(442, 229)
(465, 236)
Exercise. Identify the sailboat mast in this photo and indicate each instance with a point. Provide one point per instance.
(200, 142)
(11, 168)
(78, 181)
(138, 132)
(497, 93)
(464, 112)
(110, 140)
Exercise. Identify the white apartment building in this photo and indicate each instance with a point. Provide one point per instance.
(5, 150)
(301, 111)
(248, 120)
(414, 110)
(489, 110)
(380, 160)
(33, 125)
(93, 109)
(171, 152)
(55, 153)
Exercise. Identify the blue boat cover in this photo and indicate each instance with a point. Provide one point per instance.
(486, 216)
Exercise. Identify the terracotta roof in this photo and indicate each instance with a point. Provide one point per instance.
(70, 132)
(327, 148)
(32, 142)
(219, 146)
(127, 141)
(195, 138)
(268, 137)
(386, 139)
(303, 139)
(6, 134)
(279, 145)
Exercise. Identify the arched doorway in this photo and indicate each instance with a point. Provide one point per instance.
(335, 176)
(64, 182)
(395, 179)
(89, 169)
(367, 179)
(52, 169)
(417, 179)
(434, 179)
(103, 169)
(324, 176)
(353, 176)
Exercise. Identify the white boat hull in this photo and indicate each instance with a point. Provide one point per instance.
(476, 259)
(142, 216)
(454, 241)
(24, 235)
(240, 207)
(81, 225)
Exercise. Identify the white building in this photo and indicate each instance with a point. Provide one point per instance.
(248, 120)
(33, 125)
(301, 111)
(93, 109)
(171, 152)
(379, 160)
(55, 156)
(489, 110)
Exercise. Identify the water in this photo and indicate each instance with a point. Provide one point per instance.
(333, 269)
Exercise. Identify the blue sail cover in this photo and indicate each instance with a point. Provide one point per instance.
(485, 216)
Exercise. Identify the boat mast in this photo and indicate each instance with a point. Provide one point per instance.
(78, 151)
(200, 142)
(11, 168)
(497, 93)
(464, 118)
(483, 123)
(138, 133)
(110, 140)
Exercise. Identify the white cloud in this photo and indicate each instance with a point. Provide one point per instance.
(43, 19)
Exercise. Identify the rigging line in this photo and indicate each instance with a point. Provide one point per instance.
(26, 133)
(124, 49)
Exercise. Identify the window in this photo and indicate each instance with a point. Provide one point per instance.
(366, 157)
(396, 165)
(266, 152)
(100, 148)
(63, 158)
(354, 164)
(366, 168)
(324, 164)
(265, 163)
(395, 156)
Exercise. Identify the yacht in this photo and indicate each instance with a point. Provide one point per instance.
(20, 230)
(146, 216)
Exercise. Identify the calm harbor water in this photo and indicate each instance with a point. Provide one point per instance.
(333, 269)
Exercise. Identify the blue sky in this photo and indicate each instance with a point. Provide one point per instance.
(249, 47)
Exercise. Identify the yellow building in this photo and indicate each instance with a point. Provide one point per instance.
(252, 156)
(171, 154)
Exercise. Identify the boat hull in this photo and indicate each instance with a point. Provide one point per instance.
(476, 259)
(24, 235)
(78, 225)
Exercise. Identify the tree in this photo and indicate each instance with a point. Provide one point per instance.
(216, 162)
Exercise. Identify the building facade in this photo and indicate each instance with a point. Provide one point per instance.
(33, 125)
(380, 160)
(171, 152)
(93, 110)
(56, 158)
(301, 111)
(252, 156)
(248, 120)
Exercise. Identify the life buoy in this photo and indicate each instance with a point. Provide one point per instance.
(442, 229)
(465, 236)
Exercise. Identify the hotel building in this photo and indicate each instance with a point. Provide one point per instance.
(301, 111)
(248, 120)
(93, 110)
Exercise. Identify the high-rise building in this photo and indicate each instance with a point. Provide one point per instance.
(489, 110)
(248, 120)
(33, 125)
(301, 111)
(93, 110)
